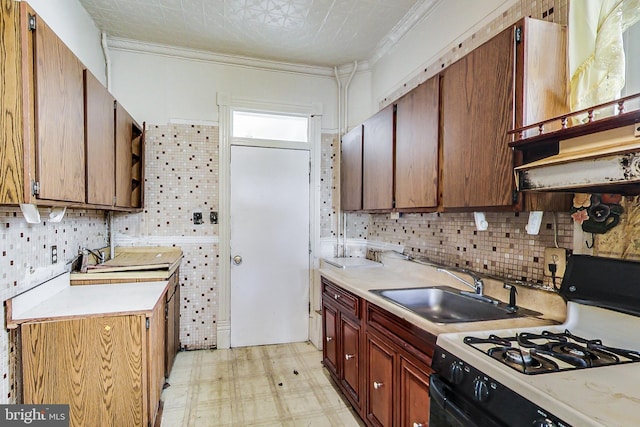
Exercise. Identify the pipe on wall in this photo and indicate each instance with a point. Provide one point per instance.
(107, 59)
(343, 125)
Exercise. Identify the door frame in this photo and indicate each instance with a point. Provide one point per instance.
(226, 105)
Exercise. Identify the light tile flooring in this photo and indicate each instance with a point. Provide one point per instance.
(274, 385)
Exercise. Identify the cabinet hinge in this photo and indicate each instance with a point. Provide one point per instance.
(518, 35)
(147, 323)
(35, 188)
(32, 22)
(115, 105)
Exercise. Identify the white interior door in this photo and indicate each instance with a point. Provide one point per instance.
(269, 204)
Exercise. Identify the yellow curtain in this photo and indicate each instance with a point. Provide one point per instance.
(596, 55)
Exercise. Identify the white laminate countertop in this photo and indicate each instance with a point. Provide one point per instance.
(93, 300)
(397, 273)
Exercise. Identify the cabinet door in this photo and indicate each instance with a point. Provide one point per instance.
(379, 386)
(100, 142)
(351, 358)
(414, 395)
(95, 365)
(477, 110)
(377, 175)
(351, 170)
(124, 136)
(330, 333)
(416, 168)
(173, 322)
(59, 118)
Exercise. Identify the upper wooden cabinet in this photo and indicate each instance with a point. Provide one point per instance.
(518, 77)
(351, 170)
(377, 169)
(43, 155)
(100, 137)
(129, 160)
(416, 164)
(57, 143)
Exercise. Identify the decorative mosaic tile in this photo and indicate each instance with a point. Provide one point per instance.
(504, 250)
(181, 177)
(25, 261)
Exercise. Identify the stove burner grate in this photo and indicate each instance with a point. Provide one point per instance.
(532, 353)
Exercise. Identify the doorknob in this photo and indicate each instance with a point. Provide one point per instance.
(237, 260)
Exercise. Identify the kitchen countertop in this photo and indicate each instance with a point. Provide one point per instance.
(396, 273)
(68, 302)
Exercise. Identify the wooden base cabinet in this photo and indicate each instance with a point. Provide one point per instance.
(342, 353)
(379, 361)
(109, 369)
(380, 382)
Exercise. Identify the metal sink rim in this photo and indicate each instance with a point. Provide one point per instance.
(486, 311)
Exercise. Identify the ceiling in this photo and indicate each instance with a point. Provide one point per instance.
(312, 32)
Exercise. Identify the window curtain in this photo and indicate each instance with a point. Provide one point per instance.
(596, 55)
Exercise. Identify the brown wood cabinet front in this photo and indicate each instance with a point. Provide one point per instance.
(377, 173)
(342, 336)
(516, 78)
(129, 160)
(416, 169)
(59, 117)
(55, 128)
(100, 142)
(414, 394)
(477, 105)
(173, 322)
(351, 170)
(380, 382)
(108, 369)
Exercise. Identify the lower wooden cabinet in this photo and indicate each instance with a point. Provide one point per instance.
(342, 353)
(172, 316)
(380, 382)
(109, 369)
(379, 361)
(414, 395)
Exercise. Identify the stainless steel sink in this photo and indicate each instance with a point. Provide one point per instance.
(444, 304)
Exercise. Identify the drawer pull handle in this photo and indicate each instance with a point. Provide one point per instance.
(336, 296)
(377, 385)
(349, 356)
(329, 339)
(418, 425)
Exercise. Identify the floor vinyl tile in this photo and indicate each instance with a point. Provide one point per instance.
(281, 385)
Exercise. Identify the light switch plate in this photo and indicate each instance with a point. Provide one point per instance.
(557, 256)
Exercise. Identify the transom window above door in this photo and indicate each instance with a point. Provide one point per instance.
(277, 127)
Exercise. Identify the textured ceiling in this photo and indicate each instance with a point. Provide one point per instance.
(313, 32)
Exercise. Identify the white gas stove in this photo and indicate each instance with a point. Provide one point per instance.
(584, 372)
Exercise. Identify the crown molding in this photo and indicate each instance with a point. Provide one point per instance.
(418, 12)
(129, 45)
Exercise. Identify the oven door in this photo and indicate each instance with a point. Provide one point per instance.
(448, 409)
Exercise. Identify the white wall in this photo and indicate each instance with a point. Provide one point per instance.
(450, 22)
(159, 88)
(69, 20)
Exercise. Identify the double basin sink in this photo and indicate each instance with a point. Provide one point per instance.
(444, 304)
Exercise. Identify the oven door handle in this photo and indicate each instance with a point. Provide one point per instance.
(439, 391)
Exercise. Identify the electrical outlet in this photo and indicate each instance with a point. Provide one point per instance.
(54, 254)
(557, 256)
(197, 218)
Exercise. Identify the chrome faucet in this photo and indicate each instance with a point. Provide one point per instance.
(100, 256)
(477, 285)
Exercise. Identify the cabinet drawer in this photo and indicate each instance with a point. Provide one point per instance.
(348, 303)
(407, 336)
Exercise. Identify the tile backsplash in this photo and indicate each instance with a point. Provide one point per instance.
(25, 261)
(181, 177)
